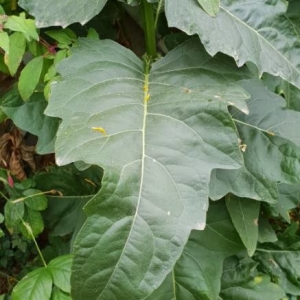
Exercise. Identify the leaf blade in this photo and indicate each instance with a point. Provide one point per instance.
(264, 38)
(13, 58)
(36, 285)
(137, 107)
(268, 123)
(210, 6)
(30, 77)
(22, 114)
(60, 269)
(57, 13)
(244, 215)
(197, 274)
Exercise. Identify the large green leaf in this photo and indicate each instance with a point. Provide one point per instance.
(62, 13)
(256, 31)
(157, 136)
(270, 142)
(268, 113)
(197, 274)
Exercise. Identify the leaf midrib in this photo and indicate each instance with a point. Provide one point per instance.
(145, 101)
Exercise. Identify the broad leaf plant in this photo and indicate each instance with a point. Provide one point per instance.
(195, 122)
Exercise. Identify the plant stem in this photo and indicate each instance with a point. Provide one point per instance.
(4, 196)
(13, 4)
(149, 28)
(27, 226)
(160, 4)
(29, 196)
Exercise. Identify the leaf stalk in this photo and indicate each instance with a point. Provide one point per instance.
(29, 230)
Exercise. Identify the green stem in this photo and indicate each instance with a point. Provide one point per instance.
(4, 196)
(29, 196)
(27, 226)
(13, 4)
(149, 29)
(160, 4)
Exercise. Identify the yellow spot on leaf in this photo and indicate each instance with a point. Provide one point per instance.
(186, 90)
(271, 133)
(242, 146)
(89, 181)
(145, 88)
(258, 279)
(147, 97)
(100, 129)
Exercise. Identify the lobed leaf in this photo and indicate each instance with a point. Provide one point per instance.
(270, 142)
(256, 31)
(168, 130)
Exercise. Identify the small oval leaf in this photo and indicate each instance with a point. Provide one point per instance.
(36, 285)
(30, 77)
